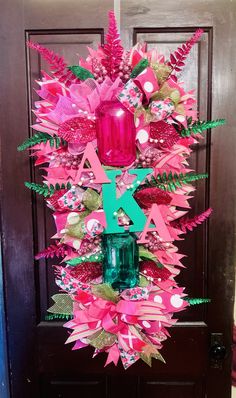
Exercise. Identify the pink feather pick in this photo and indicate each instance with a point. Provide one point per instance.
(56, 250)
(113, 49)
(57, 63)
(185, 223)
(177, 59)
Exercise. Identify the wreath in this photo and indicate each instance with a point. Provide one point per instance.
(113, 135)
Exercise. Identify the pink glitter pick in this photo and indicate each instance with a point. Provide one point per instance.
(79, 130)
(87, 271)
(149, 269)
(163, 135)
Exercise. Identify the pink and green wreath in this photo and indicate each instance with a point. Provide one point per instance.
(90, 198)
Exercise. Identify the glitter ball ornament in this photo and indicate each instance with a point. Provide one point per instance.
(65, 159)
(78, 130)
(147, 158)
(153, 242)
(125, 67)
(163, 135)
(99, 71)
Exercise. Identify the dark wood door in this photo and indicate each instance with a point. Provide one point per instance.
(40, 364)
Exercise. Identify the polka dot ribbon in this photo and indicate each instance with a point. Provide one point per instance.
(139, 90)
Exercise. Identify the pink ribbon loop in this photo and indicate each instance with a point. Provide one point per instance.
(138, 90)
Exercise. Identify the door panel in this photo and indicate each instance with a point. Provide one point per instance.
(41, 365)
(78, 387)
(176, 389)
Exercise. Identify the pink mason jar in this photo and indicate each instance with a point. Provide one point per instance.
(115, 134)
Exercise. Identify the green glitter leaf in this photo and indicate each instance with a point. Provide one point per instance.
(170, 182)
(196, 301)
(81, 72)
(45, 190)
(139, 68)
(40, 138)
(53, 317)
(95, 258)
(38, 188)
(200, 126)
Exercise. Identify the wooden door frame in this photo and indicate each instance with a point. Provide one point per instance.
(4, 363)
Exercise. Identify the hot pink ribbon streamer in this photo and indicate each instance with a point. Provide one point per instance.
(113, 355)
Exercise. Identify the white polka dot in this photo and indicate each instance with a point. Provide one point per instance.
(137, 122)
(148, 86)
(176, 301)
(180, 118)
(76, 244)
(91, 223)
(143, 72)
(146, 324)
(98, 324)
(72, 218)
(158, 299)
(63, 231)
(142, 136)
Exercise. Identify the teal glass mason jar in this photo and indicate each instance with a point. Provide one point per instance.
(121, 260)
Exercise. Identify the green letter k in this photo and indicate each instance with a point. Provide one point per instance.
(126, 202)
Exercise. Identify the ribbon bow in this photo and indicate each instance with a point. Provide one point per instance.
(139, 90)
